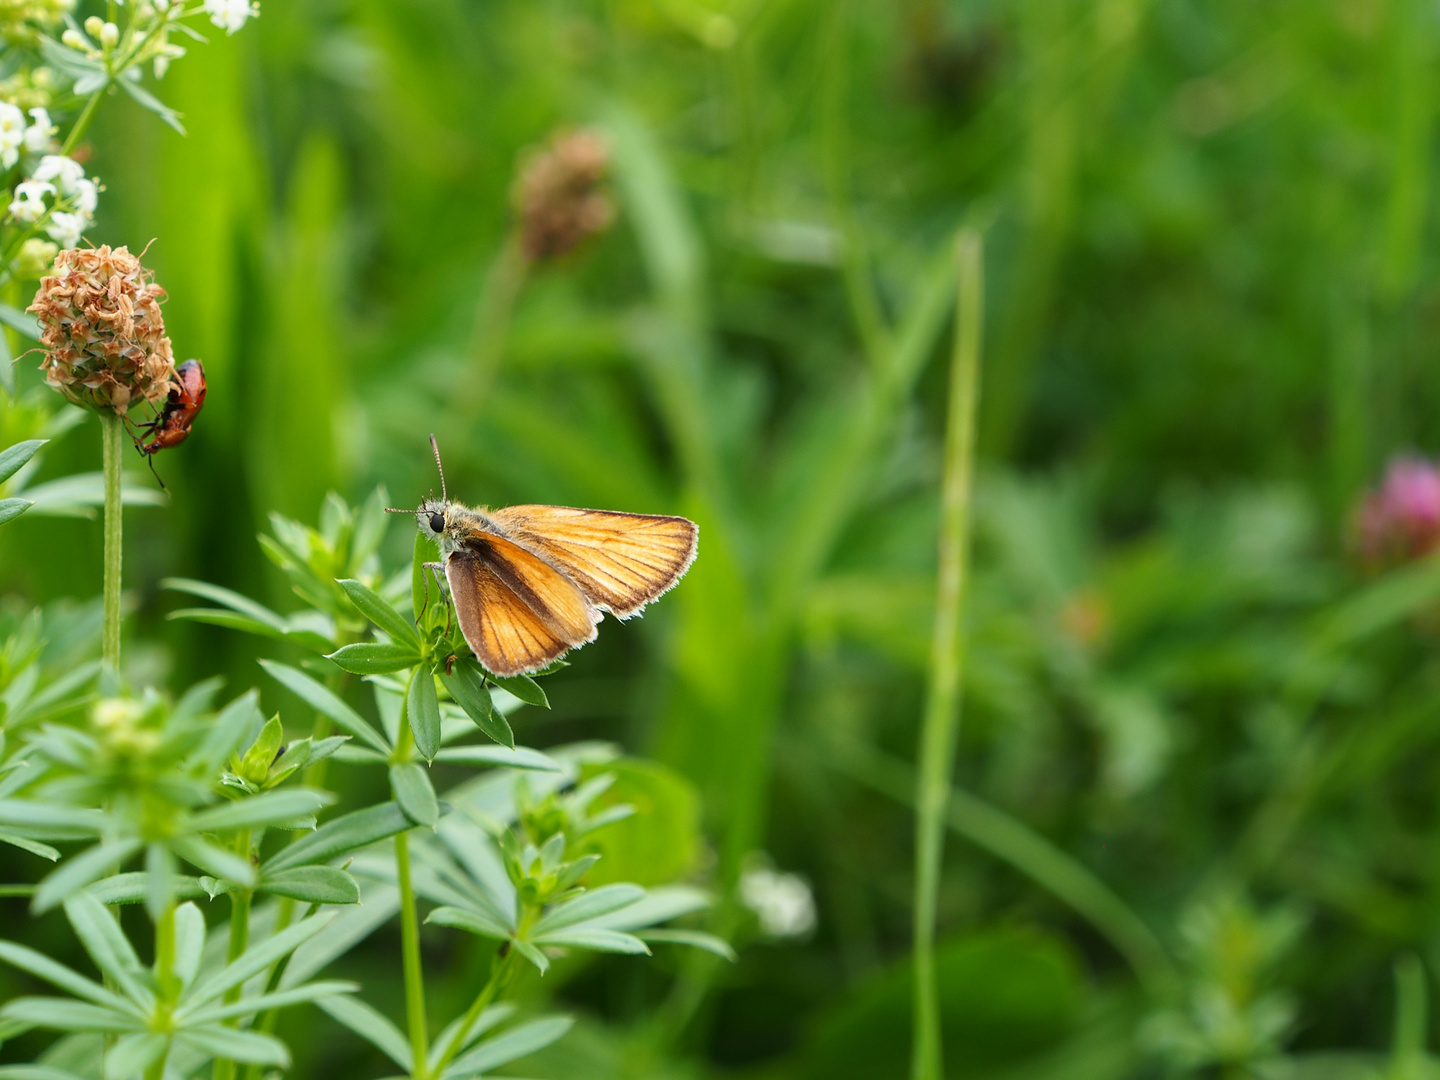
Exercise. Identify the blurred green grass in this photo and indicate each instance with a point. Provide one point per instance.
(1212, 301)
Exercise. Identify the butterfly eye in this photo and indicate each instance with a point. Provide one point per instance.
(437, 523)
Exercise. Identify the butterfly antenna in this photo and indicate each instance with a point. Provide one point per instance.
(435, 446)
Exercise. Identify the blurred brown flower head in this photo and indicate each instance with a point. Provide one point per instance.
(559, 195)
(1401, 519)
(104, 336)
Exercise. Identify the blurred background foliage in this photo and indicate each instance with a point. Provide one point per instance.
(1196, 830)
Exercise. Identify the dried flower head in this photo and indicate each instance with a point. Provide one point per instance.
(104, 337)
(559, 197)
(1401, 520)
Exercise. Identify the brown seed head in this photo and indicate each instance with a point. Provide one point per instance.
(104, 337)
(559, 197)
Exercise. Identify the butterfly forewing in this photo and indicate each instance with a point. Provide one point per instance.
(516, 611)
(620, 561)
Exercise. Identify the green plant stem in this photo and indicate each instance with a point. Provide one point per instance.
(82, 121)
(410, 922)
(1011, 840)
(942, 718)
(499, 975)
(410, 947)
(239, 942)
(112, 430)
(165, 978)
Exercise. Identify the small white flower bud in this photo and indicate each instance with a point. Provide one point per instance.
(109, 35)
(93, 25)
(75, 40)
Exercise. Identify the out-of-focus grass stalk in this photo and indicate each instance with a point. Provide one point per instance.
(503, 284)
(1407, 1055)
(112, 429)
(947, 659)
(239, 941)
(1033, 855)
(834, 158)
(164, 976)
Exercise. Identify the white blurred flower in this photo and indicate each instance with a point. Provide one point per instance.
(109, 35)
(67, 228)
(230, 15)
(12, 133)
(782, 902)
(29, 202)
(67, 172)
(87, 197)
(37, 135)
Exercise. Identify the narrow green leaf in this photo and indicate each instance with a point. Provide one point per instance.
(189, 942)
(257, 958)
(414, 792)
(342, 835)
(213, 860)
(476, 922)
(75, 873)
(370, 1026)
(589, 905)
(520, 757)
(45, 851)
(514, 1044)
(586, 937)
(249, 1047)
(131, 888)
(312, 885)
(146, 100)
(467, 687)
(377, 610)
(22, 323)
(523, 687)
(108, 946)
(42, 967)
(133, 1054)
(259, 810)
(10, 509)
(13, 457)
(278, 1000)
(374, 658)
(327, 702)
(62, 1014)
(709, 942)
(424, 710)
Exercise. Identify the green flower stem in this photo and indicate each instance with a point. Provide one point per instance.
(112, 428)
(82, 121)
(410, 920)
(239, 942)
(499, 976)
(947, 660)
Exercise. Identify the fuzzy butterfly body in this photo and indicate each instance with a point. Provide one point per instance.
(529, 583)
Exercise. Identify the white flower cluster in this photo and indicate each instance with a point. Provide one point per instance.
(75, 198)
(16, 135)
(230, 15)
(782, 902)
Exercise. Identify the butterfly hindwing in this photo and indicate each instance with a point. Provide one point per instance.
(620, 561)
(517, 612)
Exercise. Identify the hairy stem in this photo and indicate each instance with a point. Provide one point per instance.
(942, 718)
(112, 429)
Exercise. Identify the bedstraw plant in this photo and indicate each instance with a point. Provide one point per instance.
(204, 866)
